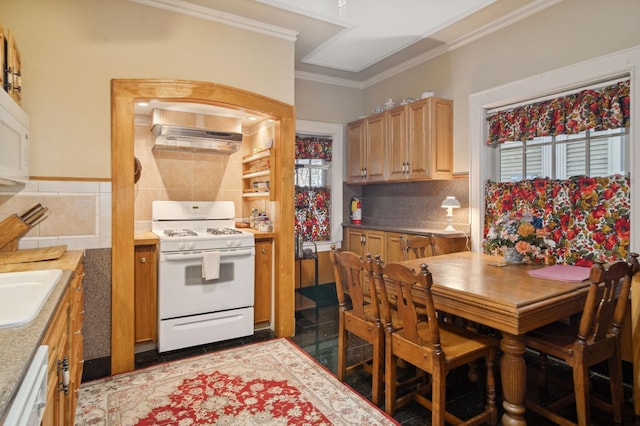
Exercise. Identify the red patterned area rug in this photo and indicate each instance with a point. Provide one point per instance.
(268, 383)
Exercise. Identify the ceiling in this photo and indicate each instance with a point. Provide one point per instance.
(359, 42)
(355, 43)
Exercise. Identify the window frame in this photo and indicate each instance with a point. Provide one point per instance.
(335, 132)
(626, 62)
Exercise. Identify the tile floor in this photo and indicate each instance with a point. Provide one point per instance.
(316, 333)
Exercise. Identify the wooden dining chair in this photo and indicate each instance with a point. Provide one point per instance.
(417, 246)
(592, 340)
(431, 346)
(361, 318)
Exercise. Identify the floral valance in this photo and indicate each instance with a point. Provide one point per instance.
(313, 147)
(599, 109)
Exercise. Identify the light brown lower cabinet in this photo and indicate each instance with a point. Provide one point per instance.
(263, 276)
(387, 244)
(363, 241)
(57, 338)
(65, 340)
(146, 293)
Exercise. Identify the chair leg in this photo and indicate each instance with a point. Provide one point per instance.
(582, 394)
(377, 373)
(542, 376)
(617, 394)
(438, 398)
(491, 389)
(342, 350)
(390, 377)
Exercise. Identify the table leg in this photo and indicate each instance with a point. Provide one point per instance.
(513, 374)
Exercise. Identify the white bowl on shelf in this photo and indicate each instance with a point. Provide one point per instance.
(426, 95)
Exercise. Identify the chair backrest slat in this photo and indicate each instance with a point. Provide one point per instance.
(350, 268)
(606, 302)
(417, 245)
(402, 282)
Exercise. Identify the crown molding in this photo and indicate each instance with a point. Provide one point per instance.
(336, 81)
(190, 9)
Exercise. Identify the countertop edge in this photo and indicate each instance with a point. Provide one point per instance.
(19, 344)
(407, 230)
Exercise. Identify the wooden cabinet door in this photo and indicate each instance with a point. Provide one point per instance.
(76, 340)
(375, 244)
(146, 293)
(451, 245)
(354, 240)
(376, 148)
(442, 139)
(57, 338)
(263, 272)
(394, 251)
(430, 139)
(397, 152)
(14, 66)
(356, 151)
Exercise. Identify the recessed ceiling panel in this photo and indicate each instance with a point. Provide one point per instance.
(375, 29)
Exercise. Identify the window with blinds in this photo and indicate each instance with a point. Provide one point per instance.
(589, 153)
(585, 132)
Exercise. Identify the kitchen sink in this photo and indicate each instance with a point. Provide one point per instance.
(22, 294)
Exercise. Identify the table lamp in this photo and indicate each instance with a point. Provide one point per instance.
(450, 203)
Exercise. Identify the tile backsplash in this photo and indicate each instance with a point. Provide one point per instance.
(79, 213)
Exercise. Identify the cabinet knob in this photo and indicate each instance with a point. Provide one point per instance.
(143, 260)
(263, 251)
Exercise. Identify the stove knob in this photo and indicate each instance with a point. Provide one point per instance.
(228, 242)
(191, 245)
(181, 246)
(237, 243)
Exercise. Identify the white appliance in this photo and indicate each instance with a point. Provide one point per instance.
(29, 403)
(194, 237)
(14, 142)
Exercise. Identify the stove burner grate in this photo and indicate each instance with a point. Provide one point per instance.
(223, 231)
(179, 233)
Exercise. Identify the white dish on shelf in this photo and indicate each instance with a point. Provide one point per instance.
(426, 95)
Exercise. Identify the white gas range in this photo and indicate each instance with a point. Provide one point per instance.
(205, 273)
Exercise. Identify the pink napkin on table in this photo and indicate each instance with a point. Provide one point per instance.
(568, 273)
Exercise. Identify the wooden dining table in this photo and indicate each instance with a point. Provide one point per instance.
(483, 289)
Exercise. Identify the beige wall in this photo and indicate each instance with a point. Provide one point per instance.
(570, 32)
(71, 49)
(327, 103)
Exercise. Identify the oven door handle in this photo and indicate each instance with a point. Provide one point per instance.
(223, 254)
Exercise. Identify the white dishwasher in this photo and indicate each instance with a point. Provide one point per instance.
(28, 405)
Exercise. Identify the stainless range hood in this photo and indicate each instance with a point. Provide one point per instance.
(178, 138)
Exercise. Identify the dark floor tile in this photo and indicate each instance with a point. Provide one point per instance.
(316, 332)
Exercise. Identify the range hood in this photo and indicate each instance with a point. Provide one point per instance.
(178, 138)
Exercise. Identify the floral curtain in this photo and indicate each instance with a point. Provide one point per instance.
(599, 109)
(312, 205)
(313, 147)
(573, 221)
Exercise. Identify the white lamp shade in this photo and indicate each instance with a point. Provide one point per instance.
(450, 202)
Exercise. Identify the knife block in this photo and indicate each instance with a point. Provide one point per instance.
(11, 229)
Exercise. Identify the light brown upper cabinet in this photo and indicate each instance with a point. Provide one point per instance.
(413, 142)
(430, 139)
(366, 148)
